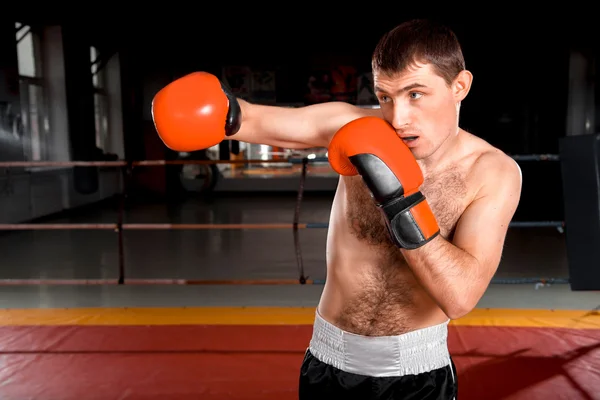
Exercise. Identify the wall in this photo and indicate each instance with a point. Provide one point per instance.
(28, 193)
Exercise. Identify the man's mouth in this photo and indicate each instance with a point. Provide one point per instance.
(410, 141)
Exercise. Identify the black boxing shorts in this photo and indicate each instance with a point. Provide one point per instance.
(343, 365)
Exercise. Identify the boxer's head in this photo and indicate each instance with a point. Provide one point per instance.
(420, 80)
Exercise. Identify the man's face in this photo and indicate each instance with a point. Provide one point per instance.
(420, 106)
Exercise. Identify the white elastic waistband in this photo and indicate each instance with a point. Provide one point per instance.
(412, 353)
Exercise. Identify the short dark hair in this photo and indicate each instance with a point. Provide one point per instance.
(419, 40)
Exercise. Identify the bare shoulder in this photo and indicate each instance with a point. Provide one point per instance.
(342, 113)
(370, 111)
(341, 109)
(334, 115)
(496, 173)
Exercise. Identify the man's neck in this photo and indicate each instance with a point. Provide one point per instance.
(442, 155)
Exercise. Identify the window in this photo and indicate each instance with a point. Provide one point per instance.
(100, 100)
(33, 100)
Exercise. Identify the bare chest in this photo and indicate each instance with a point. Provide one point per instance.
(390, 298)
(447, 194)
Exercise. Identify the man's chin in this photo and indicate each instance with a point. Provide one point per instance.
(423, 156)
(418, 154)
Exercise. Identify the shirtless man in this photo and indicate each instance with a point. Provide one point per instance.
(381, 325)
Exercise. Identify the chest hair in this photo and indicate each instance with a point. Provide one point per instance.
(446, 193)
(387, 288)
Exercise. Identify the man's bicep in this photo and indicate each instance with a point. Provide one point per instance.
(482, 229)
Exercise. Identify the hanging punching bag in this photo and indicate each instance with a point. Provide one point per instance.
(80, 106)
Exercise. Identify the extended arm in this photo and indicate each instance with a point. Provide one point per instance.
(456, 274)
(197, 111)
(295, 128)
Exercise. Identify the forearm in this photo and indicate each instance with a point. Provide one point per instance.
(270, 125)
(448, 273)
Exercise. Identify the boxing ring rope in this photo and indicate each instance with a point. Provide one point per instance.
(295, 225)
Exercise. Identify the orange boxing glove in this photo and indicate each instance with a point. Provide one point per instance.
(370, 147)
(195, 112)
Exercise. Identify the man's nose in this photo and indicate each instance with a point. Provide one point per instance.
(400, 116)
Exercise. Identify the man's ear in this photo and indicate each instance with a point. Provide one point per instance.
(462, 85)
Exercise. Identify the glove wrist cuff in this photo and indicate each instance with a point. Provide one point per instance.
(410, 221)
(234, 112)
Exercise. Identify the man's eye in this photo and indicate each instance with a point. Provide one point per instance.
(416, 95)
(384, 99)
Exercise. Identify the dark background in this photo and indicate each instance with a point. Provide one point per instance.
(520, 62)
